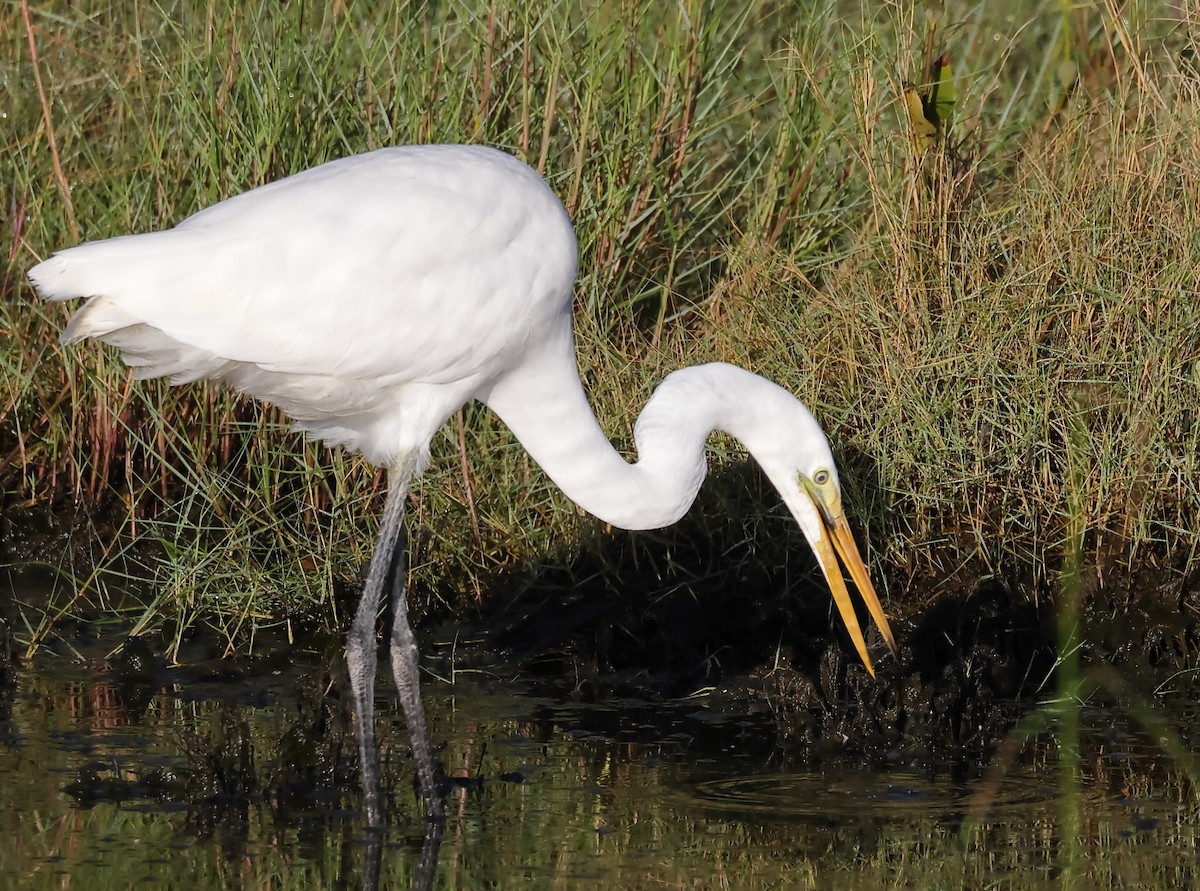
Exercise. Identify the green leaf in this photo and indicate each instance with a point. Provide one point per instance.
(924, 131)
(939, 108)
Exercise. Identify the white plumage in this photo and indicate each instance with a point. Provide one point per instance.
(338, 293)
(370, 297)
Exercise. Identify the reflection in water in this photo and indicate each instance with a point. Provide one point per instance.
(426, 868)
(851, 793)
(226, 781)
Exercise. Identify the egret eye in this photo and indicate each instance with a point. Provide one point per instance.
(821, 477)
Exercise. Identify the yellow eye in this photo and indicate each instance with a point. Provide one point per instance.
(821, 477)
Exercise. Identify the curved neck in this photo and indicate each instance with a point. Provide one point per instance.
(543, 403)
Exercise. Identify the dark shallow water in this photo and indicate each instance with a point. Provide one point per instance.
(233, 774)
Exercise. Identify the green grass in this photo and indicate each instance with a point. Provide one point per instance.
(744, 186)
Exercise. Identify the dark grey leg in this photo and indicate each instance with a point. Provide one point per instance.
(361, 658)
(406, 668)
(360, 653)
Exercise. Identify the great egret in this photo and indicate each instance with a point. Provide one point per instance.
(370, 298)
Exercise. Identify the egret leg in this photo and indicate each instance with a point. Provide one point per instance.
(406, 668)
(361, 658)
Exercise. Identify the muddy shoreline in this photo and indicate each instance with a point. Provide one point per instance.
(967, 668)
(945, 703)
(766, 649)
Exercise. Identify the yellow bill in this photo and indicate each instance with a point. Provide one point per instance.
(836, 535)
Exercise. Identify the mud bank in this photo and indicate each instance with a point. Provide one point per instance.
(648, 620)
(968, 665)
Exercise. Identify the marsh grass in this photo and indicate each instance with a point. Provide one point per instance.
(744, 187)
(1060, 718)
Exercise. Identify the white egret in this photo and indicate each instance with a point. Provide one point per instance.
(371, 297)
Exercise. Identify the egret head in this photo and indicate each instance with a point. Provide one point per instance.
(815, 500)
(798, 460)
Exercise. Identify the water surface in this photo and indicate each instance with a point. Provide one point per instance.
(229, 774)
